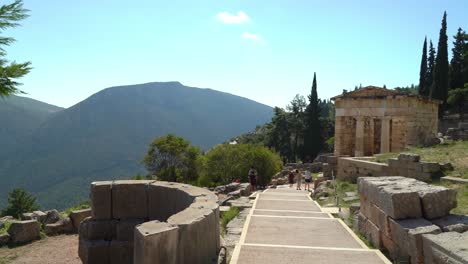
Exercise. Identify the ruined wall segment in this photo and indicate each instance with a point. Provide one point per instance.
(150, 222)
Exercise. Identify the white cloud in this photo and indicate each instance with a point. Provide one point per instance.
(238, 18)
(252, 36)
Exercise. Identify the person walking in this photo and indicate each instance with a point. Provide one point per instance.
(253, 179)
(308, 179)
(291, 179)
(298, 180)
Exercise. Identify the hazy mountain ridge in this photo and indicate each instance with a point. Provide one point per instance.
(106, 135)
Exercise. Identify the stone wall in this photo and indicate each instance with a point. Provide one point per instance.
(407, 165)
(405, 217)
(150, 222)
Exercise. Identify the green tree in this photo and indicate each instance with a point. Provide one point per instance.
(313, 138)
(439, 89)
(172, 158)
(430, 67)
(423, 90)
(10, 15)
(227, 162)
(19, 202)
(458, 98)
(297, 124)
(279, 137)
(456, 63)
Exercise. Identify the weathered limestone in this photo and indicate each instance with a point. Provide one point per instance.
(24, 231)
(450, 247)
(52, 217)
(78, 216)
(63, 226)
(395, 213)
(174, 223)
(36, 215)
(376, 120)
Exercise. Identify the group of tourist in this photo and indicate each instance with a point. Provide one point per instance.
(297, 175)
(293, 175)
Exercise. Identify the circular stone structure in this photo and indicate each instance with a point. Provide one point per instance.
(150, 222)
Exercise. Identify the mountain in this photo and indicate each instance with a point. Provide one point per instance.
(19, 117)
(106, 136)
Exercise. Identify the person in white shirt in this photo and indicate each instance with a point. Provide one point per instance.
(308, 180)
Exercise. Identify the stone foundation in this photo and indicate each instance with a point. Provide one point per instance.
(150, 222)
(406, 218)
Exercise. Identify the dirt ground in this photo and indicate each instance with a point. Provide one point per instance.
(51, 250)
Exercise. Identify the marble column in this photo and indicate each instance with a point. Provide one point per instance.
(359, 146)
(385, 135)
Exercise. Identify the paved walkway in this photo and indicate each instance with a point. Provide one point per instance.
(286, 226)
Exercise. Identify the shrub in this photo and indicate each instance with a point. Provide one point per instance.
(19, 202)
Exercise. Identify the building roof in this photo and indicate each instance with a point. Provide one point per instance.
(377, 92)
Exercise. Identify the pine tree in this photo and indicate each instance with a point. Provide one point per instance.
(439, 89)
(423, 90)
(456, 64)
(313, 139)
(430, 67)
(19, 202)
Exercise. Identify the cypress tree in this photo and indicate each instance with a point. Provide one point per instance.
(430, 67)
(423, 71)
(313, 140)
(439, 89)
(456, 64)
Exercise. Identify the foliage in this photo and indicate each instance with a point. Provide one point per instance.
(297, 124)
(19, 202)
(4, 229)
(411, 90)
(458, 98)
(456, 63)
(439, 89)
(226, 162)
(228, 216)
(10, 15)
(172, 158)
(341, 188)
(80, 206)
(430, 67)
(423, 90)
(313, 134)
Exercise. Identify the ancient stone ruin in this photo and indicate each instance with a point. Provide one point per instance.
(411, 220)
(150, 222)
(375, 120)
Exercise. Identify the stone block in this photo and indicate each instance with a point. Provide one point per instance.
(98, 229)
(202, 226)
(430, 167)
(94, 251)
(52, 216)
(165, 199)
(449, 247)
(24, 231)
(155, 242)
(130, 199)
(121, 252)
(452, 223)
(4, 239)
(373, 233)
(437, 201)
(407, 236)
(62, 226)
(125, 229)
(101, 200)
(409, 157)
(354, 208)
(399, 201)
(78, 216)
(380, 219)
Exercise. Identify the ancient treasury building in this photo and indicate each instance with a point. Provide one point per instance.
(374, 120)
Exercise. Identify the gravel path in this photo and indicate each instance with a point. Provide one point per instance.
(51, 250)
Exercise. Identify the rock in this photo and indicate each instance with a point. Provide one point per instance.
(350, 194)
(232, 187)
(4, 239)
(322, 198)
(235, 194)
(52, 216)
(222, 256)
(354, 208)
(410, 157)
(407, 234)
(63, 226)
(449, 247)
(223, 210)
(245, 189)
(220, 189)
(26, 216)
(349, 199)
(429, 142)
(452, 223)
(24, 231)
(437, 201)
(446, 166)
(78, 216)
(36, 215)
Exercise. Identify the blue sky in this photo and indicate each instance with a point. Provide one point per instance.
(265, 50)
